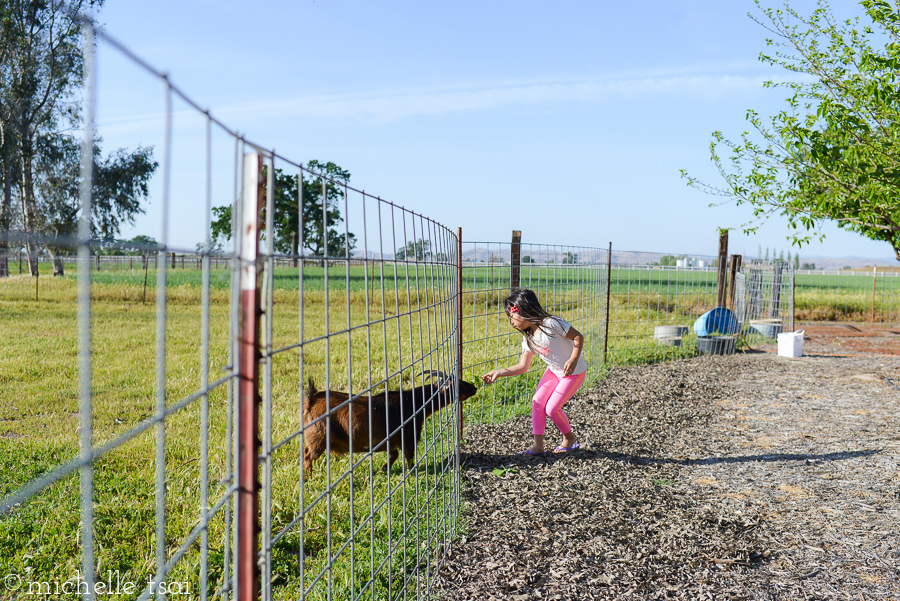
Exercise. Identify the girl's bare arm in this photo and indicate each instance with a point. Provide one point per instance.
(514, 370)
(577, 344)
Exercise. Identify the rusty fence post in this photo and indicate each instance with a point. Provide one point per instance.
(248, 384)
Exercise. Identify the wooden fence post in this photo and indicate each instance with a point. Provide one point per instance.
(515, 260)
(722, 284)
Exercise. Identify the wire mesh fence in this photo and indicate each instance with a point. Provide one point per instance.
(632, 308)
(280, 417)
(569, 281)
(763, 299)
(230, 430)
(868, 295)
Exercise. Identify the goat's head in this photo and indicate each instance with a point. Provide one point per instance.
(444, 381)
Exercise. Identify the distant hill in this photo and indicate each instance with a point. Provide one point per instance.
(848, 262)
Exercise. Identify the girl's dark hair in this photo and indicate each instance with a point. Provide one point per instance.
(529, 308)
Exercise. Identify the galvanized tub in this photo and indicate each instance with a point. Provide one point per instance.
(660, 332)
(716, 345)
(770, 328)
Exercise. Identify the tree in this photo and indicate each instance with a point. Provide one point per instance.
(569, 258)
(143, 246)
(420, 250)
(41, 69)
(119, 183)
(285, 218)
(833, 154)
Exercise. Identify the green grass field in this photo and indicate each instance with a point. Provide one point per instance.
(400, 519)
(393, 526)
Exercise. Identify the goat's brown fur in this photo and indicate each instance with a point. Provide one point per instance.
(397, 420)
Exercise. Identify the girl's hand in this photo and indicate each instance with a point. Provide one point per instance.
(570, 366)
(491, 377)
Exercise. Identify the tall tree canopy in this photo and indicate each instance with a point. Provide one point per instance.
(41, 77)
(833, 154)
(119, 183)
(285, 216)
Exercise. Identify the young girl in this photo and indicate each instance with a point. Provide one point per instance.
(559, 345)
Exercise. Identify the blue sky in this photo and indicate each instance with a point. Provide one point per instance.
(567, 120)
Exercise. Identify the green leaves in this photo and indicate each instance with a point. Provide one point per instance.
(833, 153)
(502, 471)
(316, 237)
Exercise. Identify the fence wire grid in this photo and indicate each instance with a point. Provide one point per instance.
(187, 397)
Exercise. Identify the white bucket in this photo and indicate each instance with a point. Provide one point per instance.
(790, 344)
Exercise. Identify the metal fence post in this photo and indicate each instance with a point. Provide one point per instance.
(874, 281)
(459, 318)
(86, 473)
(735, 267)
(608, 278)
(248, 399)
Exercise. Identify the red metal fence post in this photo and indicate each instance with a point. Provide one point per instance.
(248, 385)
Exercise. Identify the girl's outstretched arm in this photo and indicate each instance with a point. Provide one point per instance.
(514, 370)
(577, 343)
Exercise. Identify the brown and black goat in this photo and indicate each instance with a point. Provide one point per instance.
(396, 419)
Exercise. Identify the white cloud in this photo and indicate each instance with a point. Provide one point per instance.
(392, 105)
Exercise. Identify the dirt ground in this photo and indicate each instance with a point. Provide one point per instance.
(750, 476)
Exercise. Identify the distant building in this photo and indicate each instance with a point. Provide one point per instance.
(690, 262)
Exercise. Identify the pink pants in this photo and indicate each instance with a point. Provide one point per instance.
(551, 394)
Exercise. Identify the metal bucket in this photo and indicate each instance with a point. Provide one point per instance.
(715, 345)
(770, 328)
(669, 331)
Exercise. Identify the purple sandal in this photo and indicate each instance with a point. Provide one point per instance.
(562, 449)
(532, 453)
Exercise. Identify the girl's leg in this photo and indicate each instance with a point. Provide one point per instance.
(564, 390)
(544, 390)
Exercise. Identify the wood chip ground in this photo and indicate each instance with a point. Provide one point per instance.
(750, 476)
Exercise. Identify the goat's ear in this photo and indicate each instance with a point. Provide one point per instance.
(310, 388)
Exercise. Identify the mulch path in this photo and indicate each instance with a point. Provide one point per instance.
(750, 476)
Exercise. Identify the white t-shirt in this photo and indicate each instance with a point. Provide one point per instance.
(554, 349)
